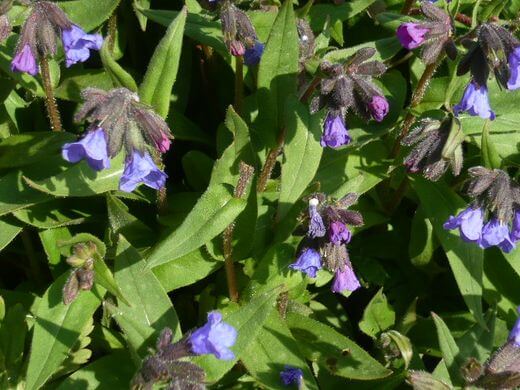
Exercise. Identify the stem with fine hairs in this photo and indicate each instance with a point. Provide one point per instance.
(50, 100)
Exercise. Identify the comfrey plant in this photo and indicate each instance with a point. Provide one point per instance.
(436, 145)
(493, 217)
(326, 243)
(495, 50)
(168, 364)
(239, 34)
(119, 121)
(434, 35)
(47, 24)
(350, 86)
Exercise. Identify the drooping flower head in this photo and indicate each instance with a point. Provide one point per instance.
(436, 145)
(335, 133)
(92, 148)
(140, 168)
(475, 102)
(434, 34)
(291, 376)
(239, 34)
(43, 28)
(350, 86)
(216, 337)
(309, 262)
(345, 280)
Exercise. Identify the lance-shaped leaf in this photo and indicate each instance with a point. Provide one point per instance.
(85, 15)
(490, 157)
(450, 350)
(120, 77)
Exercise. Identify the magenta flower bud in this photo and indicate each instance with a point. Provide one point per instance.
(77, 45)
(378, 107)
(25, 61)
(163, 145)
(335, 133)
(215, 337)
(411, 35)
(140, 168)
(92, 147)
(236, 48)
(345, 280)
(475, 101)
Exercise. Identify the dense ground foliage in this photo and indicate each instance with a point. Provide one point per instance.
(259, 194)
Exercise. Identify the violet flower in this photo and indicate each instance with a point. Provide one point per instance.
(309, 262)
(77, 45)
(514, 69)
(291, 376)
(470, 223)
(253, 54)
(140, 168)
(92, 147)
(345, 280)
(496, 233)
(335, 133)
(316, 226)
(475, 101)
(378, 107)
(411, 35)
(514, 334)
(25, 61)
(339, 233)
(215, 337)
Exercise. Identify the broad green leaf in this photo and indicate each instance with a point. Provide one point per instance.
(215, 210)
(248, 321)
(197, 167)
(319, 13)
(9, 229)
(81, 180)
(161, 74)
(150, 309)
(490, 156)
(85, 15)
(15, 194)
(74, 80)
(186, 270)
(28, 148)
(57, 328)
(450, 350)
(378, 316)
(120, 77)
(325, 346)
(386, 48)
(13, 331)
(277, 74)
(422, 240)
(478, 342)
(466, 259)
(50, 239)
(272, 349)
(302, 153)
(110, 372)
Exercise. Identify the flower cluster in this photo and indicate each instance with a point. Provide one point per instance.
(436, 145)
(497, 50)
(38, 39)
(433, 35)
(497, 197)
(240, 35)
(118, 120)
(168, 364)
(327, 239)
(350, 86)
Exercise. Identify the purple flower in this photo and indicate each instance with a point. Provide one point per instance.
(291, 375)
(496, 233)
(411, 35)
(308, 262)
(215, 337)
(236, 48)
(469, 222)
(253, 54)
(140, 168)
(345, 280)
(335, 133)
(514, 69)
(316, 226)
(339, 233)
(77, 44)
(25, 61)
(378, 107)
(515, 229)
(514, 335)
(92, 147)
(475, 101)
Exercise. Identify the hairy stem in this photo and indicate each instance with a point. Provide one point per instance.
(239, 84)
(246, 174)
(50, 100)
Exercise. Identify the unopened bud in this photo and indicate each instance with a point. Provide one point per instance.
(71, 288)
(85, 278)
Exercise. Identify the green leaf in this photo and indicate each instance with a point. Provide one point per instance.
(82, 13)
(186, 270)
(273, 348)
(81, 238)
(215, 210)
(161, 74)
(9, 229)
(150, 309)
(120, 77)
(422, 240)
(333, 351)
(277, 74)
(57, 328)
(302, 155)
(378, 316)
(74, 80)
(110, 372)
(248, 321)
(141, 5)
(386, 48)
(466, 259)
(450, 350)
(490, 156)
(13, 331)
(319, 13)
(81, 180)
